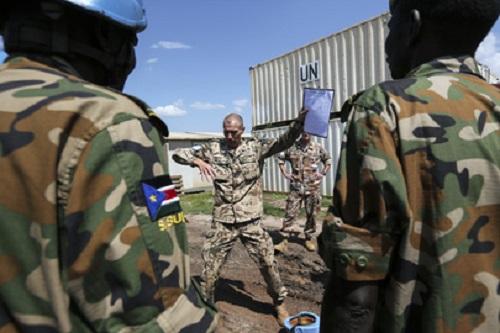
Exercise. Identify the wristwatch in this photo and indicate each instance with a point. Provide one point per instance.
(323, 173)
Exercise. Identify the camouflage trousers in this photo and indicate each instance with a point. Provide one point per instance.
(259, 245)
(312, 205)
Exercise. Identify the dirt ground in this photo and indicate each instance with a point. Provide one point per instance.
(241, 295)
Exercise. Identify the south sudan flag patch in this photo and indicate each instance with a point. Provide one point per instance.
(161, 197)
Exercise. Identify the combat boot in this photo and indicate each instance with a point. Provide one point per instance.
(310, 246)
(282, 247)
(281, 314)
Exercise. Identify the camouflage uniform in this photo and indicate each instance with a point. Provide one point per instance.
(238, 205)
(304, 162)
(78, 249)
(417, 201)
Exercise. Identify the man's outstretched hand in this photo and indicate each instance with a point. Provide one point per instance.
(207, 172)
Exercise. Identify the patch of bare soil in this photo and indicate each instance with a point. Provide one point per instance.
(241, 294)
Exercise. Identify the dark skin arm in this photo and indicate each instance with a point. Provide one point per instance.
(349, 306)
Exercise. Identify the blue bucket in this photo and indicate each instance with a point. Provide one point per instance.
(304, 322)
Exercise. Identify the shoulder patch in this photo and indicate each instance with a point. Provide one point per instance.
(161, 197)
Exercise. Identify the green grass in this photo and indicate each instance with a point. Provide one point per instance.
(198, 203)
(274, 204)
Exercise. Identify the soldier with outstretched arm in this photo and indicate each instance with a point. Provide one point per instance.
(235, 166)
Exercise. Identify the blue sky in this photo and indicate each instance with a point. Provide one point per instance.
(193, 60)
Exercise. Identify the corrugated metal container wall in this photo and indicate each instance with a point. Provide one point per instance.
(272, 178)
(485, 71)
(349, 61)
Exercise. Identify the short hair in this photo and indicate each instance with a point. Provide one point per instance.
(462, 23)
(233, 117)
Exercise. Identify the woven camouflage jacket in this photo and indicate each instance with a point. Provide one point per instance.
(304, 161)
(79, 251)
(417, 199)
(238, 184)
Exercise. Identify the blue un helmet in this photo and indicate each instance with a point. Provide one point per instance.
(128, 13)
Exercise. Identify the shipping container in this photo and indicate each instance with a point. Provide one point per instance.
(487, 74)
(347, 62)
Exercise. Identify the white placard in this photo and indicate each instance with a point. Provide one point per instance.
(319, 103)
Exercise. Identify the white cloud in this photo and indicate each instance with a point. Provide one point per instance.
(172, 110)
(240, 102)
(488, 53)
(207, 106)
(170, 45)
(152, 61)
